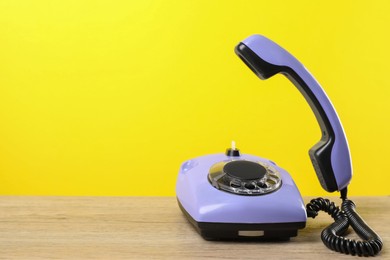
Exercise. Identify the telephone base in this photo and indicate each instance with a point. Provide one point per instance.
(233, 210)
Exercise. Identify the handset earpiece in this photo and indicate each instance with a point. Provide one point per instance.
(330, 156)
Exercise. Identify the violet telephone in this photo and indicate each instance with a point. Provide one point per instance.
(231, 195)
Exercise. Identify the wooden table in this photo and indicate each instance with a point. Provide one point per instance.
(149, 227)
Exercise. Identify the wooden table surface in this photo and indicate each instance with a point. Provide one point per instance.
(149, 227)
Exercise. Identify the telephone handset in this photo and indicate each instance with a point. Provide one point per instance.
(330, 156)
(241, 196)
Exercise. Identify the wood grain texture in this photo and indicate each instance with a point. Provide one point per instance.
(149, 228)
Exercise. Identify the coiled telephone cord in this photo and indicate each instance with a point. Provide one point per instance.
(332, 236)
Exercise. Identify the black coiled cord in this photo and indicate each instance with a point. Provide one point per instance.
(332, 235)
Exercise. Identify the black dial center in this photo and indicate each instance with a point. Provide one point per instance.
(244, 170)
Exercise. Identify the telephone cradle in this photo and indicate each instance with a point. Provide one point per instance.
(220, 214)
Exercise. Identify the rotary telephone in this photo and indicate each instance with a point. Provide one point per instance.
(232, 195)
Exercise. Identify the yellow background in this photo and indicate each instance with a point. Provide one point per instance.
(110, 97)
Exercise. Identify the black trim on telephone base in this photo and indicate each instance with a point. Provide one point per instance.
(230, 231)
